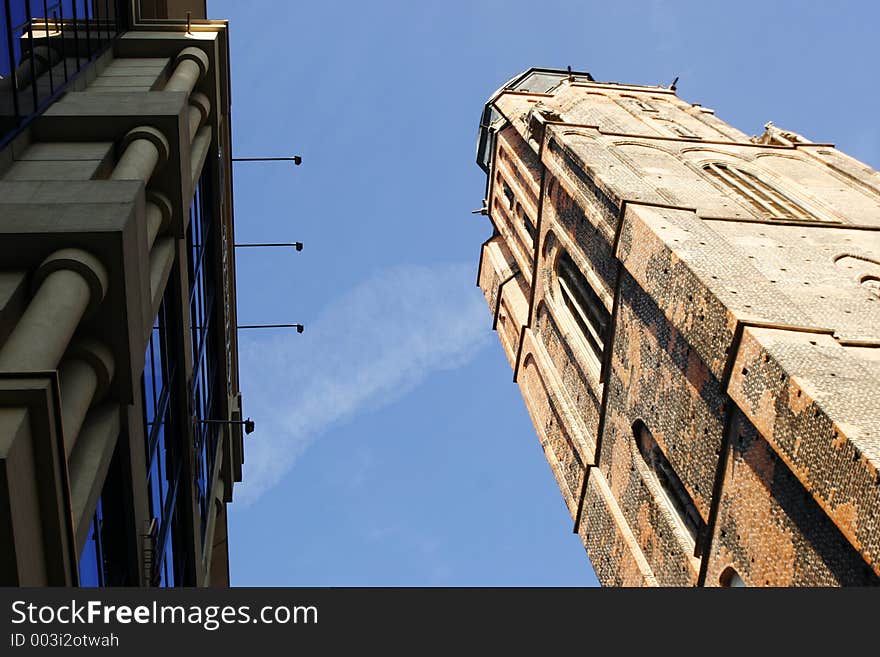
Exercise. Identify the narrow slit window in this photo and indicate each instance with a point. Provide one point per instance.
(757, 194)
(529, 225)
(582, 302)
(640, 103)
(508, 194)
(675, 494)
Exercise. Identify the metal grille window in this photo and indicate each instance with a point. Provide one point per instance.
(584, 305)
(203, 296)
(675, 494)
(45, 44)
(757, 194)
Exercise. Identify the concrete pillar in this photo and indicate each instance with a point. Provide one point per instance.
(199, 152)
(199, 109)
(161, 259)
(191, 65)
(79, 382)
(69, 284)
(210, 528)
(144, 149)
(85, 374)
(158, 216)
(89, 463)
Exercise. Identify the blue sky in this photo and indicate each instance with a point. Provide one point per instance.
(391, 446)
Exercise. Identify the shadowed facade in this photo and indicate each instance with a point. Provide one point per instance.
(119, 397)
(693, 318)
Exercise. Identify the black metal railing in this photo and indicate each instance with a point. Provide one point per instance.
(44, 45)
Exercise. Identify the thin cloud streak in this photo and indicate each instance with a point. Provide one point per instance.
(364, 351)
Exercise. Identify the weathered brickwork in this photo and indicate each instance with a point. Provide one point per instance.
(770, 529)
(693, 318)
(561, 453)
(819, 409)
(574, 379)
(615, 553)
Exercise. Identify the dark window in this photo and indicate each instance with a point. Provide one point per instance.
(103, 560)
(202, 268)
(584, 305)
(674, 492)
(164, 457)
(91, 559)
(529, 225)
(45, 44)
(508, 194)
(730, 578)
(756, 193)
(640, 103)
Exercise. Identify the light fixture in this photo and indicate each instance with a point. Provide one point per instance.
(297, 245)
(296, 159)
(248, 424)
(299, 327)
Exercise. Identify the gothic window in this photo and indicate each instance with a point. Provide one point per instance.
(640, 103)
(756, 193)
(583, 304)
(675, 494)
(872, 284)
(730, 578)
(508, 194)
(679, 130)
(527, 223)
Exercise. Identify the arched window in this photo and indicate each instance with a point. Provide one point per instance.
(730, 578)
(584, 305)
(674, 492)
(756, 193)
(527, 222)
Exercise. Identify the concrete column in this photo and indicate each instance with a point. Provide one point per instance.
(211, 526)
(69, 284)
(199, 152)
(79, 382)
(144, 149)
(85, 375)
(88, 465)
(158, 216)
(191, 65)
(161, 259)
(199, 109)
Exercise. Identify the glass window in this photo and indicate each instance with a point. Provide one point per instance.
(164, 465)
(202, 268)
(104, 559)
(43, 45)
(91, 560)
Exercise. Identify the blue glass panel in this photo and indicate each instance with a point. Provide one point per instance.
(155, 486)
(149, 386)
(91, 567)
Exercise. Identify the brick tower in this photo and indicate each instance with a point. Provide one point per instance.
(693, 318)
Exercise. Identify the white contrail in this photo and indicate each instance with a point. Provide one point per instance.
(365, 350)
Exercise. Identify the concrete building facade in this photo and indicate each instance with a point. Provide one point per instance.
(693, 318)
(120, 435)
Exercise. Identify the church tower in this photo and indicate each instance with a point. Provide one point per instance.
(693, 318)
